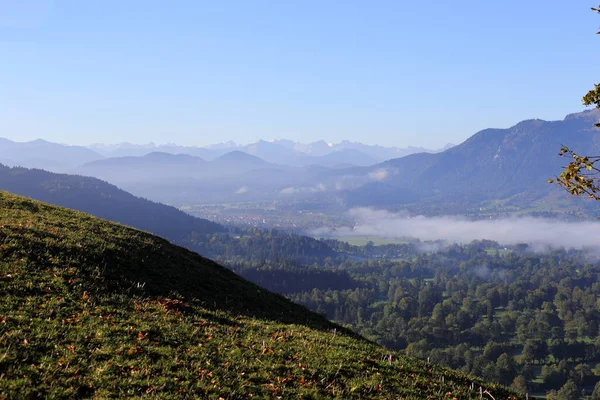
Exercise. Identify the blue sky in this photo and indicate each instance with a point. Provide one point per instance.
(197, 72)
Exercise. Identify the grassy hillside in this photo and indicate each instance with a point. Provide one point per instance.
(89, 308)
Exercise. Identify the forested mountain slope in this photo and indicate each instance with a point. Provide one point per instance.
(492, 165)
(104, 200)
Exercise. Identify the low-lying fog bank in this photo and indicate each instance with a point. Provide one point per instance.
(538, 232)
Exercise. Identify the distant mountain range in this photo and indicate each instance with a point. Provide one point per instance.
(285, 152)
(45, 155)
(504, 167)
(494, 171)
(181, 178)
(63, 158)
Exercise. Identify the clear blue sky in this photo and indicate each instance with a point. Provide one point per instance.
(197, 72)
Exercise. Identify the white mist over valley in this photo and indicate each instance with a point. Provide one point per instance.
(541, 233)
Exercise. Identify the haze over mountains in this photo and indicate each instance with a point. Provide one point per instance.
(495, 170)
(512, 165)
(281, 151)
(44, 155)
(104, 200)
(57, 157)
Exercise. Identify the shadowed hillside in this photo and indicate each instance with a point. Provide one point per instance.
(104, 200)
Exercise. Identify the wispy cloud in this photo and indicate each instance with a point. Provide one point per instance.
(535, 231)
(348, 182)
(379, 175)
(289, 190)
(312, 189)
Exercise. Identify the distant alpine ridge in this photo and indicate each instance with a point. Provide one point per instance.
(284, 152)
(57, 157)
(493, 172)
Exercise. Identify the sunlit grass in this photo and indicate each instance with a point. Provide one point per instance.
(90, 308)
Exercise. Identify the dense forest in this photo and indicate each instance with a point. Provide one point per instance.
(255, 244)
(507, 314)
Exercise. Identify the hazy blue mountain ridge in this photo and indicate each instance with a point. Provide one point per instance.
(492, 164)
(43, 154)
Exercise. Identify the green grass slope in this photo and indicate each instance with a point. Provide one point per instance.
(93, 309)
